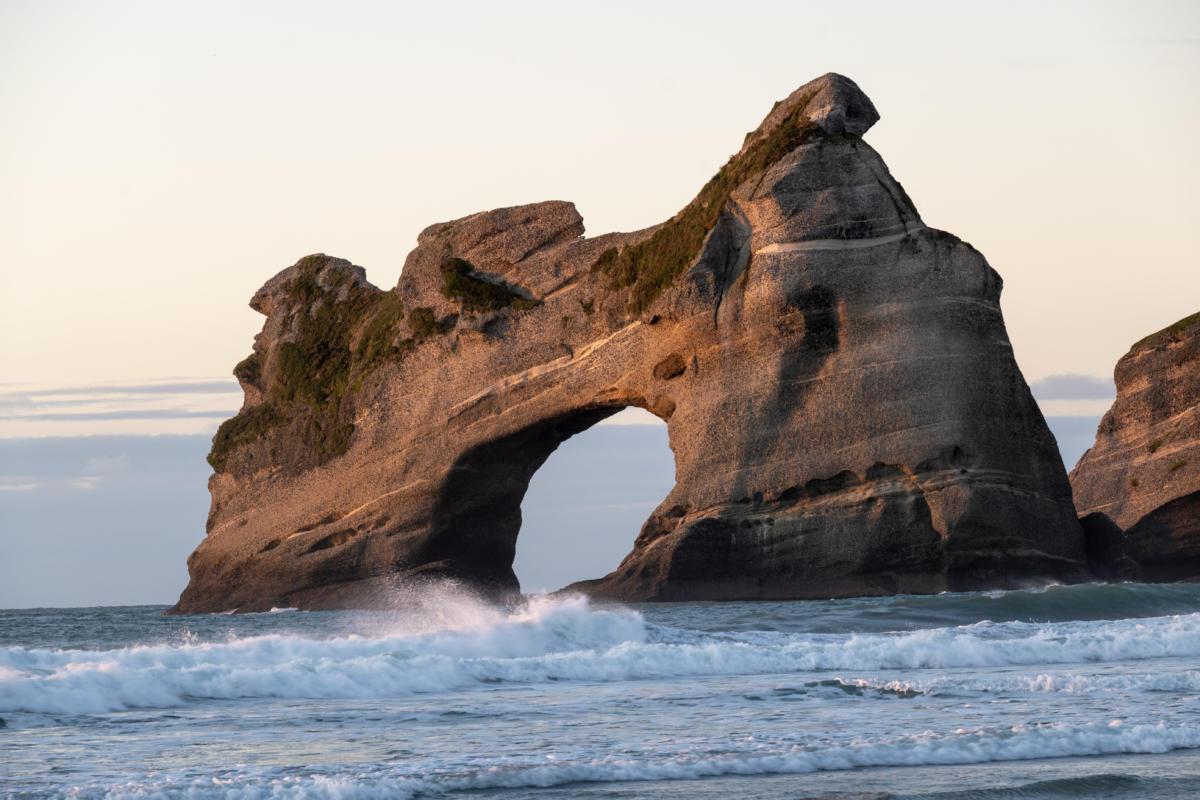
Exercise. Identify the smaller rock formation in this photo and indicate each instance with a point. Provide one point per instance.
(1138, 488)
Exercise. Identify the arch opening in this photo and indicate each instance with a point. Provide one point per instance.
(585, 507)
(582, 511)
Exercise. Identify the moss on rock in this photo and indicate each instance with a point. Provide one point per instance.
(651, 265)
(461, 284)
(249, 370)
(248, 425)
(338, 334)
(1170, 334)
(378, 339)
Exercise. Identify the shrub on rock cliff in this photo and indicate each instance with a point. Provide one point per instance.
(459, 282)
(249, 369)
(378, 340)
(339, 332)
(650, 266)
(1171, 333)
(423, 323)
(247, 426)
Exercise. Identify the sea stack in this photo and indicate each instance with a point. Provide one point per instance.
(1138, 487)
(841, 397)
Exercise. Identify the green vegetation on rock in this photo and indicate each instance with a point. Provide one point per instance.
(338, 334)
(1169, 334)
(460, 283)
(650, 266)
(244, 428)
(423, 323)
(377, 340)
(249, 369)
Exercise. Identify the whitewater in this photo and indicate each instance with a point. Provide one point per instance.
(1082, 691)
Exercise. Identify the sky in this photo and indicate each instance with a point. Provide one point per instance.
(160, 160)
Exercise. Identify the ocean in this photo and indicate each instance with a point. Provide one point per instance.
(1080, 691)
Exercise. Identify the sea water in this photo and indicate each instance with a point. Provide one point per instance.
(1083, 691)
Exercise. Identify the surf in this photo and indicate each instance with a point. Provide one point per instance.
(459, 643)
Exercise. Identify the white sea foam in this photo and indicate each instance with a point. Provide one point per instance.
(463, 643)
(1071, 682)
(1066, 681)
(964, 746)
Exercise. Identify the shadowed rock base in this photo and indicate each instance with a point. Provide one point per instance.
(839, 389)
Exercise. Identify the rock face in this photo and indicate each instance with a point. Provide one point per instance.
(1142, 476)
(840, 393)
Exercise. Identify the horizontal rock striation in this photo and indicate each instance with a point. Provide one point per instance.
(1138, 487)
(840, 393)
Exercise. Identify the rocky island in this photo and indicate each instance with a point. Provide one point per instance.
(1138, 487)
(842, 400)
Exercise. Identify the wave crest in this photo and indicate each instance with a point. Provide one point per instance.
(458, 642)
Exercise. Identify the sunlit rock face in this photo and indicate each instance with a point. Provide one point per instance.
(1138, 487)
(840, 393)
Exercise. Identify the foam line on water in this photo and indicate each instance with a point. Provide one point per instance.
(464, 644)
(967, 746)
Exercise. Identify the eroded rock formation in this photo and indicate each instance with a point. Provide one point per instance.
(1138, 487)
(841, 397)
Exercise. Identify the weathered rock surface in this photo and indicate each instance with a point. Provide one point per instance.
(1142, 476)
(840, 392)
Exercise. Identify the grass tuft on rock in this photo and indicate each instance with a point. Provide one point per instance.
(650, 266)
(423, 323)
(248, 425)
(249, 369)
(461, 284)
(378, 340)
(1170, 334)
(339, 334)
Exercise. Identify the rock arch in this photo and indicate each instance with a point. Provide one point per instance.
(843, 404)
(476, 517)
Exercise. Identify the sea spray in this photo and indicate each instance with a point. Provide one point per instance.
(452, 695)
(465, 643)
(468, 643)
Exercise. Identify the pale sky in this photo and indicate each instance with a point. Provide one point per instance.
(159, 161)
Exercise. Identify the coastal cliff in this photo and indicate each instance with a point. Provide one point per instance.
(840, 393)
(1138, 487)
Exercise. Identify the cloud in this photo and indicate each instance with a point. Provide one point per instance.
(138, 469)
(222, 386)
(148, 413)
(1072, 386)
(153, 407)
(100, 465)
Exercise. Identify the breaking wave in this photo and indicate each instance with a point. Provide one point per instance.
(463, 643)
